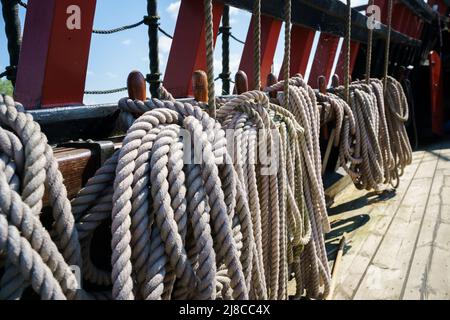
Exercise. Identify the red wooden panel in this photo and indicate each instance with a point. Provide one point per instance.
(68, 55)
(411, 24)
(354, 49)
(53, 59)
(187, 53)
(270, 32)
(437, 108)
(302, 40)
(324, 58)
(399, 16)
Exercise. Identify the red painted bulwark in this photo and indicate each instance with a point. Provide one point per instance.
(54, 59)
(383, 4)
(302, 40)
(437, 108)
(354, 49)
(324, 58)
(399, 16)
(270, 32)
(187, 53)
(33, 53)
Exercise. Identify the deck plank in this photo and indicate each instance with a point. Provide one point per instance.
(386, 273)
(403, 250)
(429, 274)
(365, 241)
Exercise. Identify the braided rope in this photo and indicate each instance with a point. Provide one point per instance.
(257, 43)
(369, 47)
(388, 43)
(209, 39)
(348, 37)
(287, 50)
(119, 29)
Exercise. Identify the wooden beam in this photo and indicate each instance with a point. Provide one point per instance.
(55, 51)
(302, 40)
(270, 32)
(354, 50)
(324, 58)
(329, 16)
(187, 52)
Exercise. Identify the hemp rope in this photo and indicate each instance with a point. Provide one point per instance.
(369, 47)
(286, 223)
(209, 39)
(313, 265)
(388, 42)
(30, 165)
(257, 43)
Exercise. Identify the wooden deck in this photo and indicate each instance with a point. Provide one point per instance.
(399, 241)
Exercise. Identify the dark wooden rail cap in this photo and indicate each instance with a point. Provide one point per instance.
(137, 88)
(200, 86)
(241, 81)
(322, 83)
(271, 80)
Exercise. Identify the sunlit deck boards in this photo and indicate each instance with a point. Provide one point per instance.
(399, 243)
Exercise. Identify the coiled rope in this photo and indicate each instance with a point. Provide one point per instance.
(374, 147)
(34, 257)
(303, 106)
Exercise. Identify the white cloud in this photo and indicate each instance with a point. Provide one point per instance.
(126, 42)
(165, 44)
(173, 9)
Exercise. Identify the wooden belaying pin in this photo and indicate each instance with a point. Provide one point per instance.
(335, 81)
(322, 83)
(137, 88)
(200, 86)
(241, 81)
(271, 80)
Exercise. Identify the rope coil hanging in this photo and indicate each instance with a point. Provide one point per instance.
(374, 146)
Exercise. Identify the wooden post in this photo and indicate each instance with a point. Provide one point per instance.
(322, 83)
(270, 31)
(241, 81)
(336, 266)
(137, 89)
(54, 54)
(324, 58)
(335, 81)
(302, 40)
(271, 80)
(187, 52)
(200, 86)
(354, 50)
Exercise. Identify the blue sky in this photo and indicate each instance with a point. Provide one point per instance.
(112, 57)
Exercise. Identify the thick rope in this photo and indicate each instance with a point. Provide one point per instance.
(37, 168)
(388, 42)
(369, 46)
(312, 264)
(347, 41)
(287, 50)
(257, 43)
(209, 38)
